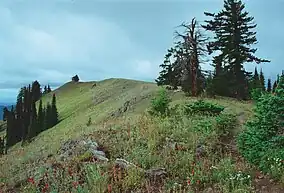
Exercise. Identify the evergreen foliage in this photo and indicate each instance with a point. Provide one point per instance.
(181, 66)
(160, 104)
(262, 81)
(274, 86)
(269, 88)
(263, 137)
(75, 78)
(24, 122)
(54, 112)
(233, 38)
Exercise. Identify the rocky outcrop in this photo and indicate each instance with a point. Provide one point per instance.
(82, 150)
(125, 107)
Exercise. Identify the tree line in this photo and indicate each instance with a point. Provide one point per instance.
(229, 42)
(24, 121)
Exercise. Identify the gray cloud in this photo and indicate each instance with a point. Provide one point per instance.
(51, 41)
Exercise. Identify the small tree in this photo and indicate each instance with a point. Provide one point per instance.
(160, 104)
(48, 89)
(75, 78)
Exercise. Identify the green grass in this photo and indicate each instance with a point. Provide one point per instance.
(76, 102)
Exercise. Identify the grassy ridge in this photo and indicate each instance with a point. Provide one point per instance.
(76, 102)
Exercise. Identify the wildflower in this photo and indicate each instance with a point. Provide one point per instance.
(192, 172)
(31, 180)
(45, 188)
(70, 171)
(109, 188)
(188, 182)
(75, 184)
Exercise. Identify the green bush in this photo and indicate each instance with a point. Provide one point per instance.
(203, 108)
(263, 136)
(225, 124)
(89, 121)
(160, 104)
(256, 94)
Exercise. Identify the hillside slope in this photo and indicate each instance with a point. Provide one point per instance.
(109, 103)
(76, 102)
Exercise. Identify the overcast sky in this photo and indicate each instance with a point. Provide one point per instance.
(52, 40)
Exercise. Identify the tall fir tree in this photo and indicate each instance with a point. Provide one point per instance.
(48, 116)
(40, 116)
(256, 80)
(262, 80)
(233, 39)
(10, 128)
(274, 86)
(26, 114)
(269, 86)
(36, 90)
(19, 114)
(33, 126)
(54, 112)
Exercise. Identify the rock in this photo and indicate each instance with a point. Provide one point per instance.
(95, 84)
(100, 155)
(123, 164)
(158, 173)
(199, 150)
(75, 148)
(209, 190)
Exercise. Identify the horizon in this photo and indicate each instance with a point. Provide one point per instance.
(100, 40)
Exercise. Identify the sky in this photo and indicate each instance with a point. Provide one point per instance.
(52, 40)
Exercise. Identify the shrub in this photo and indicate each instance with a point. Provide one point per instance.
(160, 104)
(225, 124)
(75, 78)
(203, 108)
(89, 121)
(256, 94)
(263, 136)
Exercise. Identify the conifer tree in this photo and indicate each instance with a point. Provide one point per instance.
(170, 72)
(48, 89)
(2, 146)
(19, 115)
(181, 66)
(10, 130)
(192, 49)
(26, 114)
(262, 81)
(36, 90)
(45, 89)
(274, 86)
(33, 127)
(40, 117)
(54, 112)
(233, 37)
(48, 116)
(269, 88)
